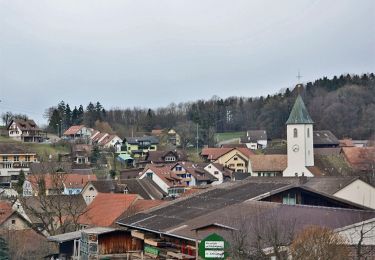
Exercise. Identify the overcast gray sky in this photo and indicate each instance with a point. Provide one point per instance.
(151, 53)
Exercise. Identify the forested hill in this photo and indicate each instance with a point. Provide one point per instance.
(345, 105)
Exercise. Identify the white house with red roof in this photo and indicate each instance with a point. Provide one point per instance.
(78, 132)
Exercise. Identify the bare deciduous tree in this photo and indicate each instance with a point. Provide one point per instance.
(51, 211)
(315, 242)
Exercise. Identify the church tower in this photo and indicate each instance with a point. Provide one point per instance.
(300, 150)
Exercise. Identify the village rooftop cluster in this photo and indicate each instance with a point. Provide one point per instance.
(103, 196)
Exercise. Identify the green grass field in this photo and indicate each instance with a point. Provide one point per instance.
(42, 150)
(219, 137)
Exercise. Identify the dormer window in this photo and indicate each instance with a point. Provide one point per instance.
(295, 133)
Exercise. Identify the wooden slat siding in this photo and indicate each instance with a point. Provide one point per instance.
(118, 243)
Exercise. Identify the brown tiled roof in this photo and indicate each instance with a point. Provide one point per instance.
(25, 124)
(158, 156)
(98, 137)
(360, 158)
(216, 153)
(233, 146)
(246, 151)
(5, 211)
(13, 148)
(73, 129)
(269, 162)
(327, 151)
(316, 171)
(106, 208)
(346, 143)
(156, 132)
(107, 139)
(53, 181)
(163, 172)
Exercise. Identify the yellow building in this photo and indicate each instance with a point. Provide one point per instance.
(13, 159)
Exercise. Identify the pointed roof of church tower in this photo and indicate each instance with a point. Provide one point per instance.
(299, 114)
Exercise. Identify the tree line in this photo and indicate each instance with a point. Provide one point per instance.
(344, 105)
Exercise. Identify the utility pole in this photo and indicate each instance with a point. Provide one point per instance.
(197, 138)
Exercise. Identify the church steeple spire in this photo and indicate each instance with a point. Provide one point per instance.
(299, 113)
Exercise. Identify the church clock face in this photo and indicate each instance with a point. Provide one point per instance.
(295, 148)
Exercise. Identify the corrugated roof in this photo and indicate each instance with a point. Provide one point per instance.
(263, 213)
(299, 113)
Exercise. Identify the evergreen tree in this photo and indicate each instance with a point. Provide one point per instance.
(67, 116)
(75, 115)
(80, 115)
(21, 179)
(90, 115)
(55, 121)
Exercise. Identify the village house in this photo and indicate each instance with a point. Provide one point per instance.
(221, 173)
(14, 158)
(174, 179)
(269, 165)
(170, 156)
(78, 132)
(140, 146)
(174, 138)
(25, 131)
(255, 139)
(56, 184)
(145, 188)
(10, 219)
(81, 154)
(236, 159)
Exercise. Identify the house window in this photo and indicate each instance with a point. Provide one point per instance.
(235, 158)
(16, 158)
(178, 168)
(5, 158)
(295, 133)
(308, 132)
(149, 174)
(239, 164)
(170, 159)
(289, 199)
(13, 221)
(216, 172)
(27, 158)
